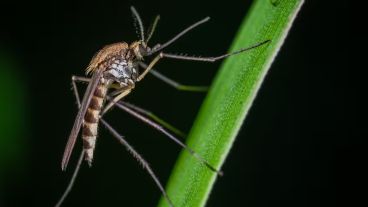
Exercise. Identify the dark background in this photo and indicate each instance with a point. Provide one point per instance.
(293, 149)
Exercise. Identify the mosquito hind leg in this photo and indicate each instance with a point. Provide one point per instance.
(174, 83)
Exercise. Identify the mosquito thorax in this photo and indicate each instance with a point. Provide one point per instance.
(103, 57)
(121, 71)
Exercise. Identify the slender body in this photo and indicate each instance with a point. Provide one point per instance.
(115, 63)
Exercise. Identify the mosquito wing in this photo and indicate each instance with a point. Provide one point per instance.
(79, 119)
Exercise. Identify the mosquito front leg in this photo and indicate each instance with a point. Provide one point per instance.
(174, 83)
(211, 59)
(149, 67)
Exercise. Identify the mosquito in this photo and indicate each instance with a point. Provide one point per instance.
(115, 70)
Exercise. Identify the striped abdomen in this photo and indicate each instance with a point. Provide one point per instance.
(91, 119)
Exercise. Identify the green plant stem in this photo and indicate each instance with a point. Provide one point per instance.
(229, 100)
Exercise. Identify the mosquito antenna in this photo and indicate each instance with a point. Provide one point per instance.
(152, 28)
(178, 36)
(139, 158)
(139, 20)
(162, 130)
(72, 180)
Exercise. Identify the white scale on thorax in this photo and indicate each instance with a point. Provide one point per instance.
(120, 69)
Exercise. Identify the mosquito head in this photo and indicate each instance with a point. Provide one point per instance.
(139, 49)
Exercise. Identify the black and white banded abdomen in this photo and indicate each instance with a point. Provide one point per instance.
(91, 120)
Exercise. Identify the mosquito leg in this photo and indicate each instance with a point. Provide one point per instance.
(141, 160)
(162, 130)
(191, 58)
(72, 180)
(173, 83)
(115, 100)
(154, 118)
(75, 88)
(210, 59)
(149, 67)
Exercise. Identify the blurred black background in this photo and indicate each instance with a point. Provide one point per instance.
(292, 150)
